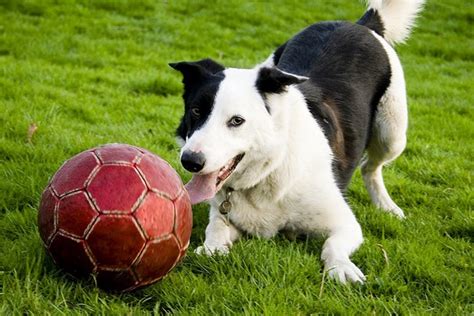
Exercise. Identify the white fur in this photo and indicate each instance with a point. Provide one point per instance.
(284, 182)
(388, 134)
(398, 17)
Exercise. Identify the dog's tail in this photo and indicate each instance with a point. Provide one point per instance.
(392, 19)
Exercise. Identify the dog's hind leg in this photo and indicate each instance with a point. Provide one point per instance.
(388, 137)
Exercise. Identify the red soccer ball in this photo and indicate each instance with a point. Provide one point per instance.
(118, 212)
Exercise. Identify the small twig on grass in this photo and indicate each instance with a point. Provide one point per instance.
(321, 288)
(31, 131)
(385, 255)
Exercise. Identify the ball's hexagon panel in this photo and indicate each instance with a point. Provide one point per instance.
(160, 176)
(71, 255)
(46, 215)
(115, 241)
(155, 215)
(116, 188)
(184, 219)
(75, 213)
(122, 280)
(157, 260)
(117, 153)
(74, 173)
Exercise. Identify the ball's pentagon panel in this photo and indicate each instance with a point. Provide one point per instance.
(115, 241)
(116, 188)
(74, 174)
(184, 219)
(155, 215)
(122, 280)
(151, 267)
(71, 254)
(84, 213)
(155, 170)
(117, 153)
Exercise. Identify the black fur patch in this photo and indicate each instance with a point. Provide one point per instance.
(277, 54)
(272, 80)
(349, 72)
(201, 81)
(372, 20)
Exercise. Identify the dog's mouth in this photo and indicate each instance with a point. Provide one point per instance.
(203, 187)
(227, 170)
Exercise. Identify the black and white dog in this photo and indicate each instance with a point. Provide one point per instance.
(274, 147)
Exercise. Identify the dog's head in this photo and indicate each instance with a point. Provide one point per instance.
(229, 132)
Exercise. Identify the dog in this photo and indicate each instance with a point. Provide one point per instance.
(273, 148)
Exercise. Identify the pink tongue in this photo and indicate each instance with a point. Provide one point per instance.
(202, 187)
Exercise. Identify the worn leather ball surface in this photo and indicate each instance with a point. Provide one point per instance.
(118, 212)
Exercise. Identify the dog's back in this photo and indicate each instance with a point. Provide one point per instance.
(349, 72)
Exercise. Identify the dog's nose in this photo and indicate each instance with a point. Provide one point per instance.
(193, 161)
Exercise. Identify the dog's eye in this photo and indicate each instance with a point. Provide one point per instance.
(196, 112)
(235, 121)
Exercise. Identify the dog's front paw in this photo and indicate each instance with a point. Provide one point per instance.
(344, 270)
(210, 250)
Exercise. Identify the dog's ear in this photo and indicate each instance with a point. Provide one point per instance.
(210, 65)
(194, 71)
(273, 80)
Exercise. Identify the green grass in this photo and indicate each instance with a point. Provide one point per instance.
(92, 72)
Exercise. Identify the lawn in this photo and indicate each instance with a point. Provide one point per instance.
(91, 72)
